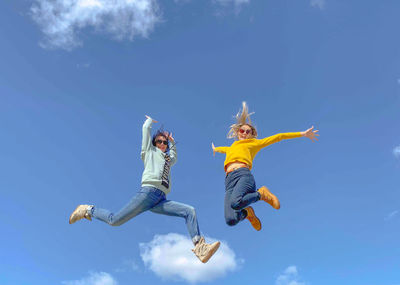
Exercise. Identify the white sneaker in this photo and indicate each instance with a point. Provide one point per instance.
(82, 211)
(204, 251)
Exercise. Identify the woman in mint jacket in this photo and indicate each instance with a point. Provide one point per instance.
(158, 155)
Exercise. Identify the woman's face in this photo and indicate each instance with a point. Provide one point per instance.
(244, 132)
(161, 143)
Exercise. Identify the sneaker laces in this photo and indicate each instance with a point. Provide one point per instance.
(201, 247)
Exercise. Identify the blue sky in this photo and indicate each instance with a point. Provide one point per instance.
(75, 86)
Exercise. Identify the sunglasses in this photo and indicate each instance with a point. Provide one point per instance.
(242, 131)
(162, 141)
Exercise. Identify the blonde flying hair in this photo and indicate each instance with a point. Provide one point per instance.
(242, 118)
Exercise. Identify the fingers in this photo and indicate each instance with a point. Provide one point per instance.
(148, 117)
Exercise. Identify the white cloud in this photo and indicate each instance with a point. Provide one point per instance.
(170, 257)
(61, 21)
(391, 215)
(396, 151)
(289, 277)
(234, 2)
(318, 4)
(224, 7)
(128, 265)
(94, 278)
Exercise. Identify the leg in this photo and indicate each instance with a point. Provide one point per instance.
(172, 208)
(144, 200)
(202, 250)
(240, 191)
(244, 192)
(232, 217)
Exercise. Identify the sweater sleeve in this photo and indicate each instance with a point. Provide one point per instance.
(146, 137)
(221, 149)
(172, 153)
(277, 138)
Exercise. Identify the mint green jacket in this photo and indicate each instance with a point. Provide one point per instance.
(154, 160)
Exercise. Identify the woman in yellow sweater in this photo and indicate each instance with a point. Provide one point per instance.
(240, 186)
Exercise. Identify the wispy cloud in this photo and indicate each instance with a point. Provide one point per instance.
(61, 21)
(289, 277)
(226, 5)
(94, 278)
(318, 4)
(396, 151)
(82, 65)
(391, 215)
(230, 2)
(170, 257)
(128, 265)
(64, 21)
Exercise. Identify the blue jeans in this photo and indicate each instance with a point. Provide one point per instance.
(240, 191)
(153, 199)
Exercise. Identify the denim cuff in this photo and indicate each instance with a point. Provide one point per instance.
(90, 210)
(195, 239)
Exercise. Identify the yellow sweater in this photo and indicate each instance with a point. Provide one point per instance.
(245, 150)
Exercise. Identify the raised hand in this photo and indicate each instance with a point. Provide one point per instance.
(213, 148)
(169, 136)
(311, 134)
(154, 121)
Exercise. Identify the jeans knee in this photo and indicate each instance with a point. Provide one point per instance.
(236, 205)
(114, 222)
(190, 212)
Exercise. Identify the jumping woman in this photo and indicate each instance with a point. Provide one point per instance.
(240, 186)
(158, 154)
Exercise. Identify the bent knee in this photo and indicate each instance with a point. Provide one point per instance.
(190, 211)
(115, 224)
(236, 205)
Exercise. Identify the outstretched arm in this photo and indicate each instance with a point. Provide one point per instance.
(146, 135)
(221, 149)
(276, 138)
(310, 133)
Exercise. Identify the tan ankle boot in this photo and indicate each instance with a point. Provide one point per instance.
(81, 212)
(204, 251)
(251, 216)
(268, 197)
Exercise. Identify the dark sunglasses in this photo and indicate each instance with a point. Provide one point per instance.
(244, 131)
(162, 141)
